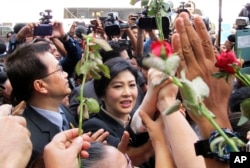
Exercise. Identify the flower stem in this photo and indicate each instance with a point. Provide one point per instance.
(210, 118)
(86, 54)
(242, 78)
(158, 18)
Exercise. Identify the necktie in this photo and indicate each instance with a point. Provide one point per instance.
(65, 125)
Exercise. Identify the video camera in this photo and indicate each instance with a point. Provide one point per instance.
(46, 17)
(149, 23)
(183, 7)
(242, 23)
(112, 25)
(120, 44)
(44, 28)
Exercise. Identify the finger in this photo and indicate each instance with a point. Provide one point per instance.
(194, 39)
(176, 43)
(5, 109)
(103, 136)
(66, 135)
(205, 38)
(20, 120)
(84, 154)
(123, 145)
(145, 118)
(185, 44)
(76, 146)
(95, 135)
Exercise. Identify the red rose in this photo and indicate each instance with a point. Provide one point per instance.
(157, 45)
(225, 60)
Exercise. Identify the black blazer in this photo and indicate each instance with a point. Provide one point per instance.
(102, 120)
(42, 130)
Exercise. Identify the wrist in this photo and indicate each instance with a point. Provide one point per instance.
(165, 103)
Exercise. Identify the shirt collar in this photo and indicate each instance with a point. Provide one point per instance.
(123, 123)
(53, 116)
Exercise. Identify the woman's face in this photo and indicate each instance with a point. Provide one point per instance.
(121, 94)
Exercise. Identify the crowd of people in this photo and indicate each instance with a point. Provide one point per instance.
(40, 90)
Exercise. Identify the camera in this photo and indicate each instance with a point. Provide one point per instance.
(149, 23)
(46, 16)
(242, 22)
(112, 25)
(183, 7)
(44, 28)
(120, 44)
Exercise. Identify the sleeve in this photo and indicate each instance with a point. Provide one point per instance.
(94, 124)
(74, 54)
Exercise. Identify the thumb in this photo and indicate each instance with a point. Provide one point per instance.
(76, 145)
(123, 145)
(145, 118)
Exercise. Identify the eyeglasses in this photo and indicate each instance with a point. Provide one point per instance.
(130, 165)
(60, 69)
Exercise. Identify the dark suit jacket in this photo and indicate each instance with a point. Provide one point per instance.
(42, 130)
(102, 120)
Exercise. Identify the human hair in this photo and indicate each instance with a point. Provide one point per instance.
(115, 65)
(237, 97)
(23, 66)
(106, 55)
(97, 152)
(18, 27)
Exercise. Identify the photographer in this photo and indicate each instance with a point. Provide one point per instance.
(245, 12)
(63, 47)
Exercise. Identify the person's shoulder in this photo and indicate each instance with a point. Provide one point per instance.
(94, 123)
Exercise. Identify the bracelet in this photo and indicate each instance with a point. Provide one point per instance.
(203, 147)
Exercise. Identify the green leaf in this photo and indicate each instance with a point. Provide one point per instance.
(245, 107)
(93, 105)
(219, 74)
(94, 74)
(242, 120)
(175, 107)
(103, 44)
(82, 68)
(105, 70)
(176, 81)
(144, 2)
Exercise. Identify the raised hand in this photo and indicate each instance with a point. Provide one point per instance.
(197, 58)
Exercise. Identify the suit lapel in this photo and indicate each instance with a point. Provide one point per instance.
(42, 123)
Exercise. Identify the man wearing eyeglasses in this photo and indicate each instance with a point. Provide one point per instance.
(38, 79)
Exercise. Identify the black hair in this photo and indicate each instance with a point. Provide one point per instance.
(106, 55)
(231, 38)
(97, 152)
(18, 27)
(115, 65)
(23, 66)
